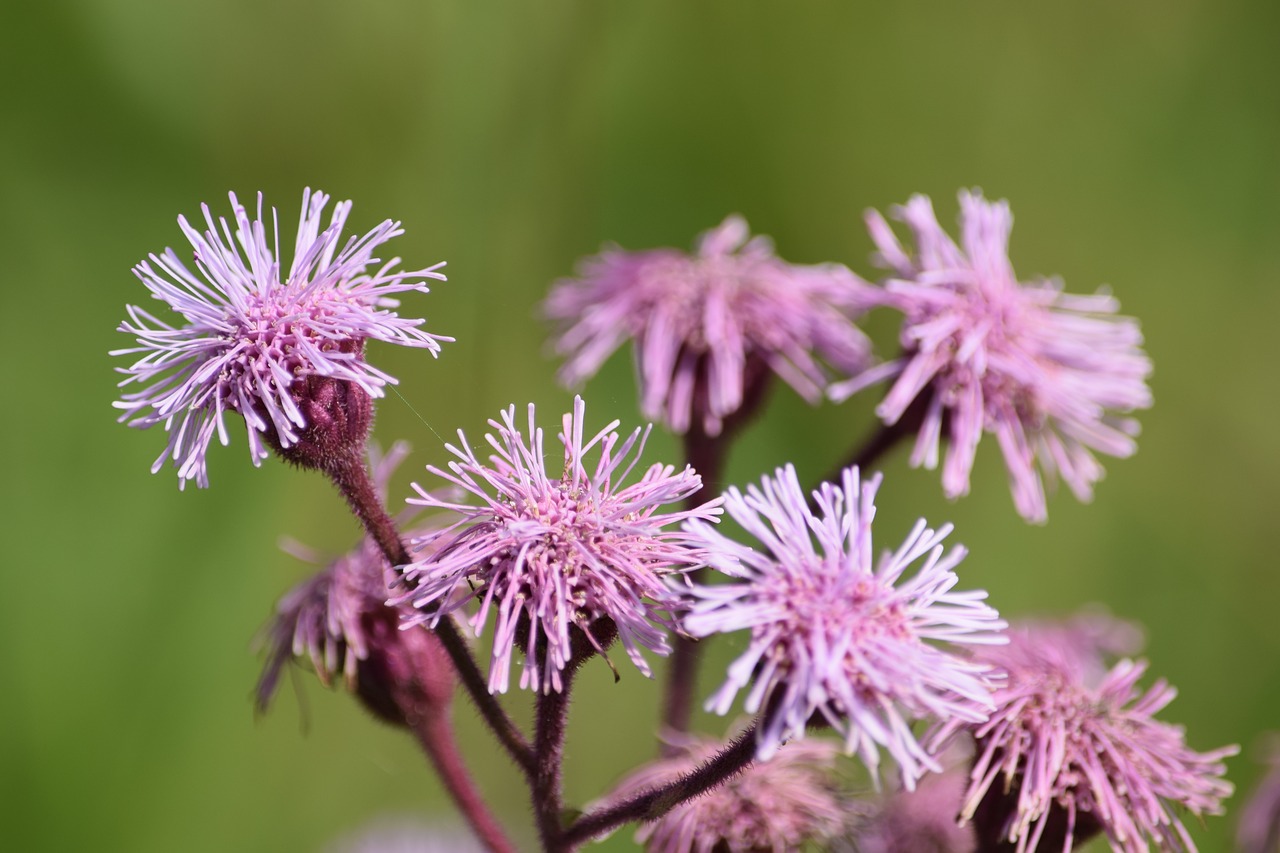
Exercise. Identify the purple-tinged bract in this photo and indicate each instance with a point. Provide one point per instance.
(776, 806)
(860, 647)
(564, 557)
(708, 328)
(251, 337)
(1048, 373)
(1064, 754)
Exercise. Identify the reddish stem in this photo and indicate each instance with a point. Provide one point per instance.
(652, 805)
(883, 439)
(435, 734)
(707, 454)
(552, 720)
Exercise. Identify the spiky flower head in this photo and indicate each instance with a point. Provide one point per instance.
(568, 559)
(860, 647)
(776, 806)
(338, 622)
(1050, 374)
(286, 352)
(1065, 755)
(708, 328)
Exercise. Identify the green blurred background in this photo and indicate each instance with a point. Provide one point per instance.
(1138, 144)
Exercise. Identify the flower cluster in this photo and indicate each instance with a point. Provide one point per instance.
(834, 636)
(575, 556)
(1044, 371)
(707, 328)
(252, 337)
(1074, 752)
(567, 552)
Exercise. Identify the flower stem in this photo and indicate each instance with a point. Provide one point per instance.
(352, 479)
(883, 439)
(652, 805)
(707, 457)
(552, 718)
(435, 734)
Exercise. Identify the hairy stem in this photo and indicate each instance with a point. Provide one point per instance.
(652, 805)
(552, 719)
(435, 734)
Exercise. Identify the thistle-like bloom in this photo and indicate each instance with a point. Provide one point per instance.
(339, 622)
(1044, 371)
(252, 340)
(566, 562)
(777, 806)
(1061, 757)
(707, 329)
(834, 637)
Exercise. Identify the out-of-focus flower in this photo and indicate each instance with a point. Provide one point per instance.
(775, 806)
(708, 328)
(1062, 757)
(835, 637)
(919, 821)
(1258, 830)
(567, 562)
(338, 621)
(1046, 372)
(257, 343)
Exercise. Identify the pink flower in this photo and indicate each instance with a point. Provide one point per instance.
(251, 339)
(562, 560)
(1044, 371)
(708, 328)
(834, 637)
(779, 805)
(1067, 751)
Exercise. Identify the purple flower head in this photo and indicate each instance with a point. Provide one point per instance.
(1065, 755)
(708, 328)
(777, 806)
(1042, 370)
(272, 348)
(562, 560)
(338, 621)
(832, 636)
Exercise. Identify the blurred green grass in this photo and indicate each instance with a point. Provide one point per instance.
(1136, 142)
